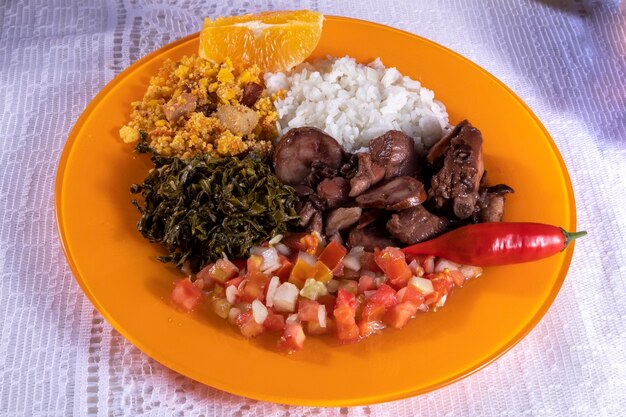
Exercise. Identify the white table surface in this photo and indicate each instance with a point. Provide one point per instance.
(58, 357)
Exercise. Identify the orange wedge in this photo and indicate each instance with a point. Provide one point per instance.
(275, 41)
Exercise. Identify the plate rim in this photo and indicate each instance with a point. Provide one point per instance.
(294, 400)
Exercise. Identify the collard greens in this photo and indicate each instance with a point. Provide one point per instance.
(201, 207)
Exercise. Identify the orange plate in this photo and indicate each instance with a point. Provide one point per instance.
(118, 271)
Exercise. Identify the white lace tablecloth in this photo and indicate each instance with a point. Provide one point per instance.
(58, 357)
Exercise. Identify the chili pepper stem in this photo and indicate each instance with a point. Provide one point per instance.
(569, 236)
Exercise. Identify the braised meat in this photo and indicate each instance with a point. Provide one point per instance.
(306, 212)
(491, 203)
(371, 216)
(416, 224)
(396, 194)
(316, 224)
(251, 94)
(179, 107)
(439, 148)
(374, 199)
(303, 190)
(454, 188)
(319, 171)
(368, 173)
(395, 151)
(299, 149)
(370, 237)
(334, 191)
(341, 219)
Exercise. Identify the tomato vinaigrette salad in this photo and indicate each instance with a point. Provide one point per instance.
(298, 286)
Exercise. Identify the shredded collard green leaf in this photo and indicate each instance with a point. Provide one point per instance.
(201, 207)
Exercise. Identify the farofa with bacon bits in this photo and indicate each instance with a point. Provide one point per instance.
(194, 106)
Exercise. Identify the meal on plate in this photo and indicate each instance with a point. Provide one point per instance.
(310, 198)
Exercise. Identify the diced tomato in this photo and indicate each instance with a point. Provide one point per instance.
(366, 283)
(345, 313)
(322, 272)
(371, 318)
(349, 285)
(292, 241)
(398, 273)
(285, 268)
(314, 328)
(186, 295)
(292, 339)
(235, 281)
(274, 322)
(308, 310)
(221, 271)
(204, 273)
(456, 276)
(413, 295)
(384, 295)
(301, 271)
(310, 243)
(248, 326)
(240, 263)
(393, 263)
(254, 287)
(253, 265)
(328, 300)
(374, 309)
(332, 255)
(400, 314)
(429, 264)
(442, 284)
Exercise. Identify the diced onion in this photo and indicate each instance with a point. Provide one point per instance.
(379, 280)
(470, 272)
(321, 315)
(400, 294)
(273, 241)
(443, 264)
(259, 311)
(285, 297)
(271, 291)
(231, 294)
(309, 259)
(369, 293)
(271, 262)
(232, 314)
(292, 319)
(353, 259)
(441, 301)
(416, 268)
(283, 249)
(429, 264)
(424, 285)
(257, 250)
(243, 306)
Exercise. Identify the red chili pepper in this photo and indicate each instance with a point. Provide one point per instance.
(491, 244)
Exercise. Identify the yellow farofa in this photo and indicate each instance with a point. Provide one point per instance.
(199, 131)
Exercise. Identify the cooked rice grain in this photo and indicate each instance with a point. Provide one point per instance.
(355, 103)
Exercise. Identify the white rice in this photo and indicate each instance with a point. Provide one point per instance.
(355, 103)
